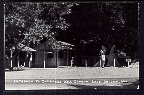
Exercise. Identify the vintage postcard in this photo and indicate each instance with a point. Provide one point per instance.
(71, 45)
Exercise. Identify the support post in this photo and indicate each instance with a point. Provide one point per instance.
(26, 59)
(114, 62)
(29, 63)
(57, 59)
(11, 58)
(30, 60)
(85, 63)
(128, 63)
(100, 63)
(37, 57)
(72, 60)
(103, 60)
(24, 64)
(128, 60)
(67, 57)
(18, 60)
(44, 59)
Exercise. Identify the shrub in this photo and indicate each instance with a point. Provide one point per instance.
(20, 68)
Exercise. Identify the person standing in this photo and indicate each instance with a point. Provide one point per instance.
(103, 56)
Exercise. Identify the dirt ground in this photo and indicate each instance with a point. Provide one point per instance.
(72, 78)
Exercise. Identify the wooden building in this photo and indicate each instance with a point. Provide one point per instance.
(25, 56)
(52, 54)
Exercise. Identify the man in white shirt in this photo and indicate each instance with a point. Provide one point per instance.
(103, 52)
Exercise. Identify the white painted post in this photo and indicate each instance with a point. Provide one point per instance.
(85, 63)
(72, 61)
(114, 62)
(30, 60)
(103, 60)
(44, 63)
(11, 58)
(18, 64)
(44, 59)
(100, 62)
(24, 64)
(18, 61)
(138, 87)
(128, 60)
(128, 63)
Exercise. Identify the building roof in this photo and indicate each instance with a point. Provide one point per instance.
(63, 45)
(56, 45)
(25, 48)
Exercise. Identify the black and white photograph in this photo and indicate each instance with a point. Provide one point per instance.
(71, 45)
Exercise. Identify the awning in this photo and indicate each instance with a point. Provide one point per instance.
(25, 48)
(63, 45)
(28, 49)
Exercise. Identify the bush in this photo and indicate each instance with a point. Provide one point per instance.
(20, 68)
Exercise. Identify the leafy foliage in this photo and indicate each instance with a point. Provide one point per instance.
(35, 20)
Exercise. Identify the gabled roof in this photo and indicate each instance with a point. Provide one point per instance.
(56, 45)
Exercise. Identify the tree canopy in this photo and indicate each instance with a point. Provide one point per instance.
(34, 21)
(104, 23)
